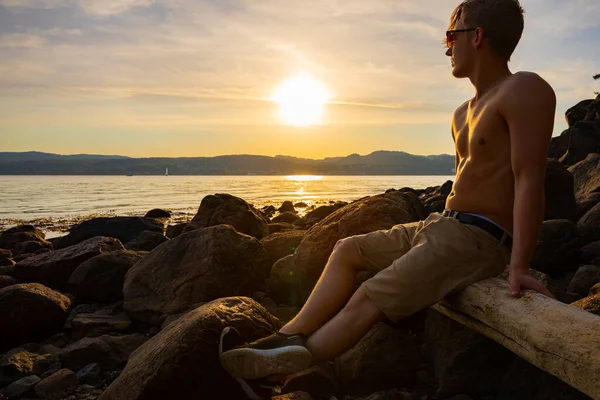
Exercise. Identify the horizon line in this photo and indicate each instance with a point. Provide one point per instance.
(223, 155)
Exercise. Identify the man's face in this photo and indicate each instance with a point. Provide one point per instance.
(461, 51)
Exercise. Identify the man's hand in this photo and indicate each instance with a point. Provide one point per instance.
(521, 279)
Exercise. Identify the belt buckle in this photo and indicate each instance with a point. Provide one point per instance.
(452, 214)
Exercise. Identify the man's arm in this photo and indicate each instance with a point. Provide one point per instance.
(528, 109)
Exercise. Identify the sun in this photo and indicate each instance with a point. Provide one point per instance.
(301, 100)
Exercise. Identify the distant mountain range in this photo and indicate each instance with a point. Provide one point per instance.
(376, 163)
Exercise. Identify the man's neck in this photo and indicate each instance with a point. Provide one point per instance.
(486, 76)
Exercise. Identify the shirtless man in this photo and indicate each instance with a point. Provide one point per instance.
(492, 219)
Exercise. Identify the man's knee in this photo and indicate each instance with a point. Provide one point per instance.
(346, 248)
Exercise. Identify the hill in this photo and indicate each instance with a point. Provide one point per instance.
(376, 163)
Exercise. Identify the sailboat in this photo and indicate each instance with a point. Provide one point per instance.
(167, 172)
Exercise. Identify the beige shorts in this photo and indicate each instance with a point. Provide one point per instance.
(419, 263)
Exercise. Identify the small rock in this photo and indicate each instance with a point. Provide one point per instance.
(281, 227)
(158, 213)
(8, 268)
(269, 304)
(287, 216)
(286, 206)
(110, 352)
(6, 281)
(176, 230)
(18, 363)
(49, 349)
(60, 384)
(589, 304)
(585, 277)
(294, 396)
(22, 386)
(147, 241)
(318, 380)
(53, 368)
(90, 374)
(97, 324)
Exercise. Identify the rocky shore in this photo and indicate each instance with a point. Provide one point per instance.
(126, 308)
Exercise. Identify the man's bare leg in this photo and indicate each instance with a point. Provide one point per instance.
(344, 330)
(332, 290)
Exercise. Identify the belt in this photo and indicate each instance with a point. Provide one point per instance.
(487, 226)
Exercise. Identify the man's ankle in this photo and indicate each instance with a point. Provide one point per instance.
(290, 330)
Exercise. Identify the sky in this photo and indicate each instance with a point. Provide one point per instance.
(185, 78)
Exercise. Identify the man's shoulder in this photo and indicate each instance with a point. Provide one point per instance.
(462, 108)
(527, 83)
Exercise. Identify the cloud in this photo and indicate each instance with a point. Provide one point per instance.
(16, 40)
(110, 7)
(44, 4)
(92, 7)
(57, 32)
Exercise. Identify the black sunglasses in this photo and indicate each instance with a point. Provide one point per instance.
(450, 39)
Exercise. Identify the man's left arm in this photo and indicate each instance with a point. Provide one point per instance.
(529, 112)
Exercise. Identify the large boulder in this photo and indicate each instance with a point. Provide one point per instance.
(558, 248)
(465, 361)
(385, 358)
(285, 284)
(560, 193)
(372, 213)
(182, 362)
(224, 208)
(583, 139)
(109, 352)
(122, 228)
(279, 245)
(578, 112)
(201, 265)
(54, 269)
(586, 174)
(525, 381)
(30, 312)
(101, 277)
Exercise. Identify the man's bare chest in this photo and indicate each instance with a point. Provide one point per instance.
(480, 132)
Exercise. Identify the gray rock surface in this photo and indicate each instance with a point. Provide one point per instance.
(30, 312)
(198, 266)
(54, 269)
(182, 360)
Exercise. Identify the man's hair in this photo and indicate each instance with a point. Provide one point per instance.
(501, 20)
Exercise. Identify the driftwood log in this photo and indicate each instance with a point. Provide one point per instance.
(558, 338)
